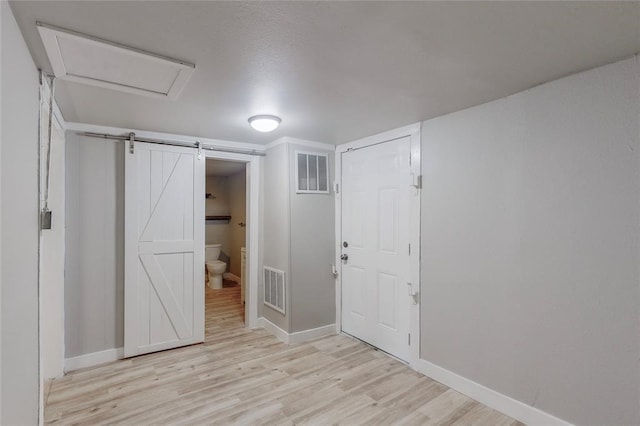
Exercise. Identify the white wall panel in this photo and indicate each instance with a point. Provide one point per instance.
(19, 222)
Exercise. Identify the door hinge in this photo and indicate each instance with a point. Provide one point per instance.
(409, 249)
(416, 181)
(199, 146)
(45, 219)
(336, 187)
(413, 293)
(132, 137)
(409, 340)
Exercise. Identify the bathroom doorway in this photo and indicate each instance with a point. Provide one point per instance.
(165, 228)
(225, 244)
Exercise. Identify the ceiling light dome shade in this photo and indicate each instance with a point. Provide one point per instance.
(265, 123)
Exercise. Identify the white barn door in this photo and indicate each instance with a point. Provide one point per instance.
(376, 304)
(164, 248)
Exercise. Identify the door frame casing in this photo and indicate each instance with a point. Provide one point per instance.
(252, 239)
(412, 131)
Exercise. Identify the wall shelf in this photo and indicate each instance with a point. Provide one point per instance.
(209, 220)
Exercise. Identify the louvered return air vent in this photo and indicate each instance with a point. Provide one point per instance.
(274, 289)
(89, 60)
(313, 173)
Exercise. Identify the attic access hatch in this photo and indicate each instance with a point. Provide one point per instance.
(89, 60)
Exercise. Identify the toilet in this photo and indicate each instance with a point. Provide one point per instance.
(215, 267)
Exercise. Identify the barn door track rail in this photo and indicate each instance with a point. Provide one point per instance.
(131, 138)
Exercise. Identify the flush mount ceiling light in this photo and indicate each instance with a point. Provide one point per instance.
(265, 123)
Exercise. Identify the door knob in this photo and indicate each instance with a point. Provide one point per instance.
(344, 257)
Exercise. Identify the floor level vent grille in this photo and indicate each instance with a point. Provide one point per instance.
(274, 289)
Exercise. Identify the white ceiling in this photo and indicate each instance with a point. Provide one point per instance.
(223, 168)
(334, 71)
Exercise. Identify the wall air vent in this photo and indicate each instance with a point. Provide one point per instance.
(89, 60)
(313, 173)
(274, 289)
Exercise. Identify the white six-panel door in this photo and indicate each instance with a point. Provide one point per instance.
(164, 248)
(375, 226)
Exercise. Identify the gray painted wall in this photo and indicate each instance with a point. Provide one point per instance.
(298, 239)
(312, 251)
(94, 269)
(530, 245)
(276, 227)
(19, 223)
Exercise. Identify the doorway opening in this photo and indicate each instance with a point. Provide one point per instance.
(225, 245)
(243, 286)
(165, 199)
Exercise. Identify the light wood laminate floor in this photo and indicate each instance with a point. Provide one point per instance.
(241, 376)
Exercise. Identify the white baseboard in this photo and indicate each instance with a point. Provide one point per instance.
(273, 329)
(93, 359)
(511, 407)
(231, 277)
(298, 336)
(313, 333)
